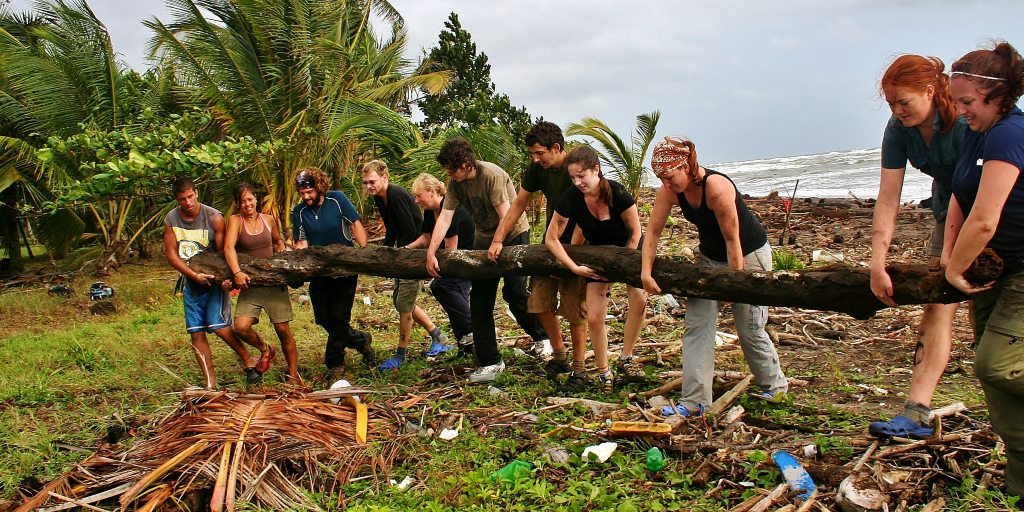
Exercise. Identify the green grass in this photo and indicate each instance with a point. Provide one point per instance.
(68, 376)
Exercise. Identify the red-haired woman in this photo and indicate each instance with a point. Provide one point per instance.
(987, 210)
(925, 131)
(730, 237)
(604, 214)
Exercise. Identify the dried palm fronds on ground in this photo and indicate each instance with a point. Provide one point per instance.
(265, 449)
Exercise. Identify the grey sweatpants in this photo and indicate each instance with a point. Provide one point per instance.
(699, 340)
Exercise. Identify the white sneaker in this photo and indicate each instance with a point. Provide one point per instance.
(487, 373)
(542, 348)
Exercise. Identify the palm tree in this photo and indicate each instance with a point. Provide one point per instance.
(627, 162)
(311, 73)
(58, 72)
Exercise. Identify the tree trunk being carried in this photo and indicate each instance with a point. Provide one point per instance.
(834, 287)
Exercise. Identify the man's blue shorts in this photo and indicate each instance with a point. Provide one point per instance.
(208, 311)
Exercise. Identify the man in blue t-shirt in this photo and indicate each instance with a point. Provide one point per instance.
(327, 217)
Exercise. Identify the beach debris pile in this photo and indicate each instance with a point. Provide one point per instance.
(220, 448)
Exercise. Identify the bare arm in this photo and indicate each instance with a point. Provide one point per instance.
(441, 225)
(508, 220)
(359, 233)
(883, 224)
(954, 221)
(451, 242)
(663, 203)
(721, 196)
(231, 256)
(218, 232)
(997, 179)
(275, 234)
(631, 217)
(551, 240)
(422, 241)
(300, 244)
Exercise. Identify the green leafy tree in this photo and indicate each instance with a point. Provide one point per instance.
(311, 73)
(124, 178)
(58, 72)
(626, 161)
(470, 101)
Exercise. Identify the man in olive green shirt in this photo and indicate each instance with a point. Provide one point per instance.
(484, 190)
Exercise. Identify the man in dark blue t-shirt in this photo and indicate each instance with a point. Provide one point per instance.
(327, 217)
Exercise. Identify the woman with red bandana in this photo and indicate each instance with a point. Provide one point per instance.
(730, 237)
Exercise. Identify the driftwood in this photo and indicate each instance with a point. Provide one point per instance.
(834, 287)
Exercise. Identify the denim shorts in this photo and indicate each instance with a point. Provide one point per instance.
(208, 311)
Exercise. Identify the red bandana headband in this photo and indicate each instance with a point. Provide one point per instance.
(669, 155)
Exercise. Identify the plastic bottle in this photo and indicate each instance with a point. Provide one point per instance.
(511, 471)
(655, 460)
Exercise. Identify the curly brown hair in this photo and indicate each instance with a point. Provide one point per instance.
(313, 175)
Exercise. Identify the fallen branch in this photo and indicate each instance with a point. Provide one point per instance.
(834, 287)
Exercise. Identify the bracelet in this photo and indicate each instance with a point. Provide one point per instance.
(236, 273)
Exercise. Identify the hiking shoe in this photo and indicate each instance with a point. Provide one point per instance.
(554, 368)
(253, 377)
(542, 348)
(487, 373)
(440, 339)
(900, 426)
(633, 372)
(466, 345)
(336, 373)
(681, 410)
(264, 363)
(576, 383)
(606, 383)
(390, 363)
(368, 352)
(437, 348)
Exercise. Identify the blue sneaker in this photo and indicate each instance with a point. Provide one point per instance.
(437, 349)
(900, 426)
(390, 364)
(679, 409)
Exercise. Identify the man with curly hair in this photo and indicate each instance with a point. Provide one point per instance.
(327, 217)
(485, 190)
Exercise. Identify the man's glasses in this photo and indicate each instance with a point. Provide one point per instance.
(369, 182)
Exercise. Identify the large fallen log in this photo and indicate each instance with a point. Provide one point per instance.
(834, 287)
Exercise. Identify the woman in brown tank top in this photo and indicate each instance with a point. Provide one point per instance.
(254, 233)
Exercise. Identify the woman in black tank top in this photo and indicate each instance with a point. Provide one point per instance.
(730, 236)
(604, 213)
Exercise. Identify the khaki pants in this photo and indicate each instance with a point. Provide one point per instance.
(998, 319)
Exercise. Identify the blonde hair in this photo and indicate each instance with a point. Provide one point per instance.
(425, 182)
(377, 166)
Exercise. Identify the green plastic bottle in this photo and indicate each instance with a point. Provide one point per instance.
(511, 471)
(655, 460)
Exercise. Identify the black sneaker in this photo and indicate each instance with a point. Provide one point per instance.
(368, 352)
(554, 368)
(576, 383)
(252, 377)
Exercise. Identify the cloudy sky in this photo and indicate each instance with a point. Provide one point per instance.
(743, 78)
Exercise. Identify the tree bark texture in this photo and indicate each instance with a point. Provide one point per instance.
(835, 287)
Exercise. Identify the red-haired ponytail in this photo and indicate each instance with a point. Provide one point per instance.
(916, 73)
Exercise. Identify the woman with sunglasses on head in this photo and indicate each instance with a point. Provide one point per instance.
(987, 210)
(730, 237)
(604, 214)
(925, 131)
(254, 233)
